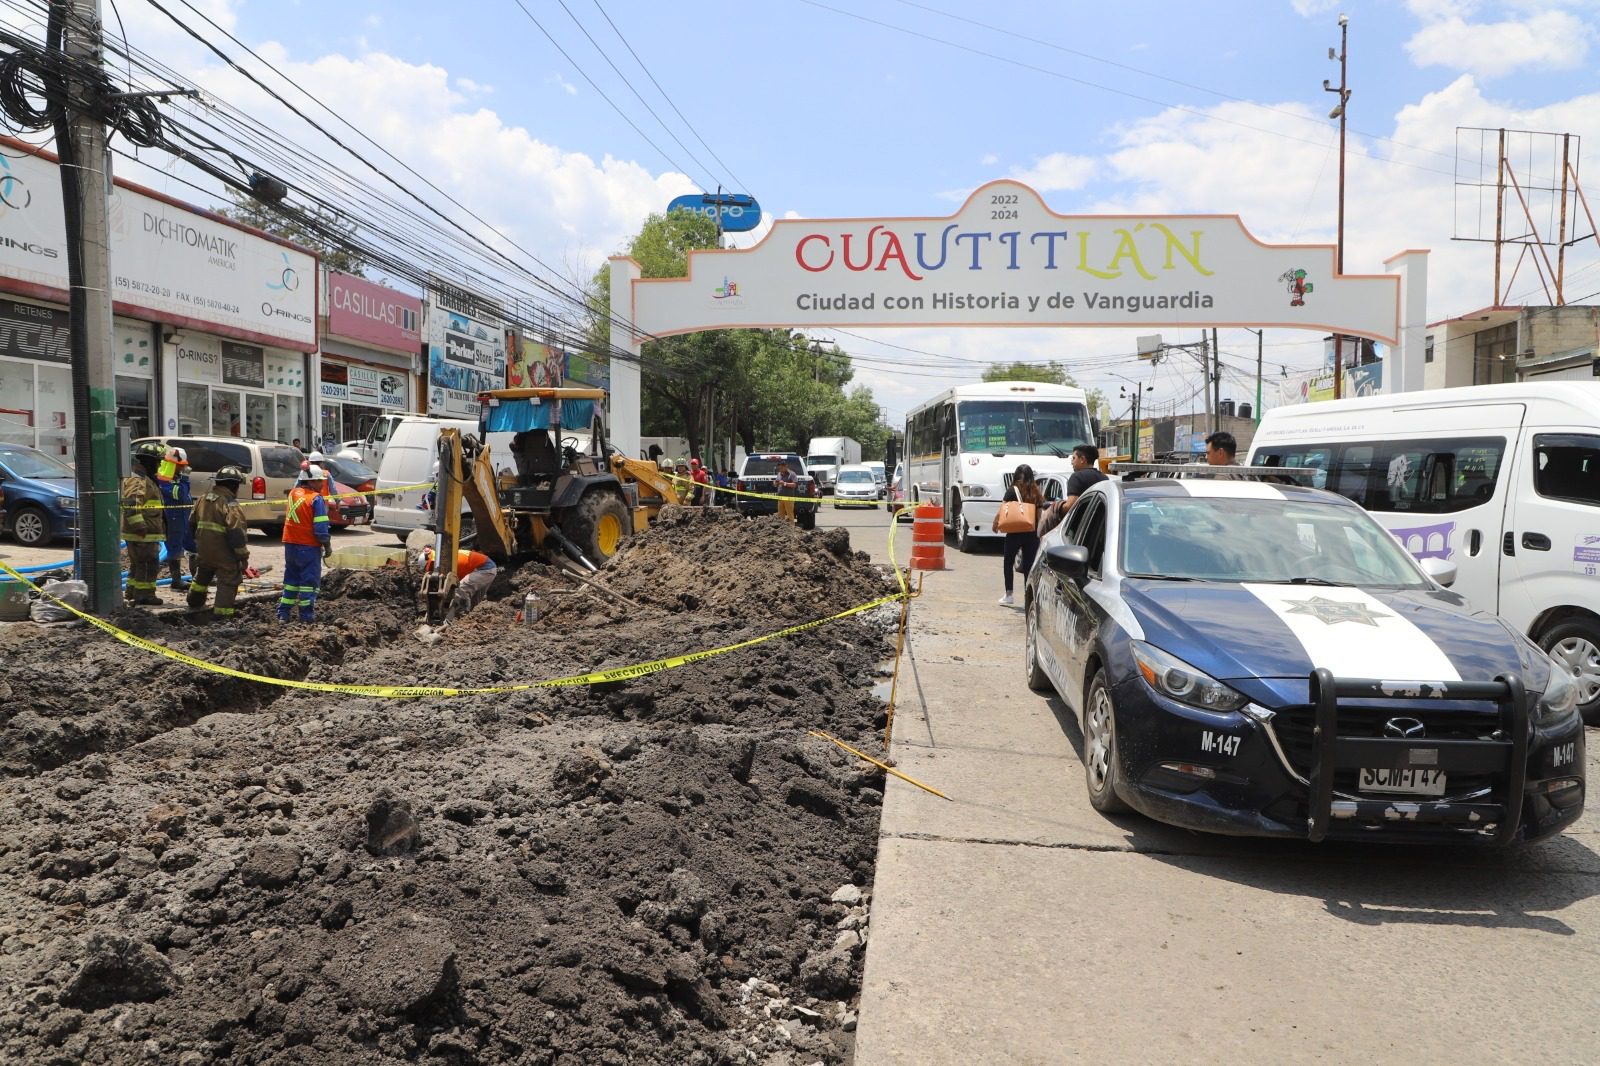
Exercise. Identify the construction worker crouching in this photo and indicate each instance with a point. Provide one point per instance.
(143, 523)
(305, 544)
(474, 574)
(177, 502)
(218, 528)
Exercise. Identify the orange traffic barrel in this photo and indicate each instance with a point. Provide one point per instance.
(927, 537)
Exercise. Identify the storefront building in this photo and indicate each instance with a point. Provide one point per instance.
(371, 344)
(213, 322)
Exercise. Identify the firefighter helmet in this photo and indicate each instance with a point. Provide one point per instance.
(229, 475)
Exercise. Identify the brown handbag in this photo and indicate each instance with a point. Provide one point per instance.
(1017, 517)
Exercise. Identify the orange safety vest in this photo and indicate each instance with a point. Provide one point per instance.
(306, 520)
(466, 562)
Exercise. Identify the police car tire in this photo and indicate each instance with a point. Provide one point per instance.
(1038, 680)
(1106, 800)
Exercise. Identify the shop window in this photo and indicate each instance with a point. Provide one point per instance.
(291, 417)
(225, 414)
(1494, 355)
(53, 415)
(330, 426)
(193, 406)
(16, 403)
(258, 417)
(133, 406)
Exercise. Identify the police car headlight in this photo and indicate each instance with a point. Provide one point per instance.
(1560, 697)
(1176, 679)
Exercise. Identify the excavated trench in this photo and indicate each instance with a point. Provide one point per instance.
(196, 868)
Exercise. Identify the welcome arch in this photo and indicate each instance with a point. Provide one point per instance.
(1006, 260)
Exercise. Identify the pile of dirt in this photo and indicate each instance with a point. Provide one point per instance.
(711, 559)
(669, 869)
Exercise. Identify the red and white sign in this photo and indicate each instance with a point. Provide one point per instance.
(361, 310)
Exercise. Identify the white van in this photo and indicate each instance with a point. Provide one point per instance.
(1501, 480)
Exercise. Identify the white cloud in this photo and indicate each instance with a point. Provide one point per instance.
(1556, 39)
(467, 85)
(1307, 8)
(1057, 172)
(989, 160)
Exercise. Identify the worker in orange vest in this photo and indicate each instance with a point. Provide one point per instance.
(305, 544)
(474, 574)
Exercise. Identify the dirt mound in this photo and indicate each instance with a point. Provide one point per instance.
(711, 559)
(661, 870)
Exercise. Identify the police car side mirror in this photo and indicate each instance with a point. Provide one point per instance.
(1068, 560)
(1441, 570)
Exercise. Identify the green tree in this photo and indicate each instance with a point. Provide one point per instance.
(1051, 373)
(325, 232)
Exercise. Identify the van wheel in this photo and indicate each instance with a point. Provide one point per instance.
(1575, 645)
(598, 525)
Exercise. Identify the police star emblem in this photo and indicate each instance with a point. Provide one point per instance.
(1332, 612)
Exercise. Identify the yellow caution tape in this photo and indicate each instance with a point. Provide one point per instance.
(284, 501)
(595, 677)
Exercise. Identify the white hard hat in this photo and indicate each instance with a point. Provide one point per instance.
(311, 473)
(316, 457)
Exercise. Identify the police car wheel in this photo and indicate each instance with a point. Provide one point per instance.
(1038, 680)
(1100, 772)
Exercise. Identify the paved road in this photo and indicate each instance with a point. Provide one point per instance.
(1013, 924)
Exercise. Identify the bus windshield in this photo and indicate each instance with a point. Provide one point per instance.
(1027, 427)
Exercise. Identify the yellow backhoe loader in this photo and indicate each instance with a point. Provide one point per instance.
(582, 503)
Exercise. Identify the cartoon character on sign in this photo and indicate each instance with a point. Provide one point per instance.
(1298, 286)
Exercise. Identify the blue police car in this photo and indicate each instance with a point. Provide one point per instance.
(41, 501)
(1264, 659)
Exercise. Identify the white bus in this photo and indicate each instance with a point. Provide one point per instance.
(963, 445)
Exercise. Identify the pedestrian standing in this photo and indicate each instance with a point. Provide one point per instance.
(177, 503)
(787, 485)
(217, 527)
(1024, 489)
(702, 483)
(305, 544)
(143, 523)
(1085, 472)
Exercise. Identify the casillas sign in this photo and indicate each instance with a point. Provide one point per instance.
(740, 213)
(168, 263)
(361, 310)
(1006, 259)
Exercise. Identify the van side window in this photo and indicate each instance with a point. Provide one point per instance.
(1566, 466)
(207, 457)
(1435, 476)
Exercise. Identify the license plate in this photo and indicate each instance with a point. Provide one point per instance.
(1409, 782)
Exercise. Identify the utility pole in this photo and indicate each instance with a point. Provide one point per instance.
(1216, 381)
(74, 28)
(1205, 380)
(1340, 112)
(1260, 343)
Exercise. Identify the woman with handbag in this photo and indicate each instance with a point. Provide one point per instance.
(1018, 520)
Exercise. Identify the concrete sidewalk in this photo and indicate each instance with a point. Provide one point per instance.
(1013, 924)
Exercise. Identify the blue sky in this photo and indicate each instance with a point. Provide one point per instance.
(1142, 105)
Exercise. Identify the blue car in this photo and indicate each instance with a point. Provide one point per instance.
(41, 501)
(1260, 659)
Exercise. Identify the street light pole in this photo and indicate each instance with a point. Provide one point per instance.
(1260, 338)
(1340, 112)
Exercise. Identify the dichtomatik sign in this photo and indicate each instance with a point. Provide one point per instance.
(1006, 259)
(168, 263)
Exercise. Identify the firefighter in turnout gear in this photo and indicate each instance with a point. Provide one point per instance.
(178, 504)
(144, 525)
(217, 527)
(305, 544)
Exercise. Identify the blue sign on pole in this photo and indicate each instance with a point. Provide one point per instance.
(740, 212)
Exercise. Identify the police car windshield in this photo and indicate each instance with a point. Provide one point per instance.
(1269, 541)
(767, 465)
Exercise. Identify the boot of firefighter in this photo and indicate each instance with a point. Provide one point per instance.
(175, 567)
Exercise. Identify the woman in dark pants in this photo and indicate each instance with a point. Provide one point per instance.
(1023, 489)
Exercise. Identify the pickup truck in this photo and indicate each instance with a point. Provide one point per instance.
(759, 473)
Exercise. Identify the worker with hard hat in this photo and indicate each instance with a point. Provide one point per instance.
(702, 483)
(474, 574)
(144, 526)
(177, 503)
(306, 543)
(217, 526)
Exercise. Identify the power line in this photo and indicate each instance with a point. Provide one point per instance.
(668, 99)
(1048, 72)
(585, 75)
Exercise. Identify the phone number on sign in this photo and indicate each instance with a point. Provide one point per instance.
(143, 286)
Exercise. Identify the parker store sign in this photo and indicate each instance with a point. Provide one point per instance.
(168, 263)
(1006, 259)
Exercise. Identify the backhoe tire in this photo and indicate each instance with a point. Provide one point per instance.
(598, 525)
